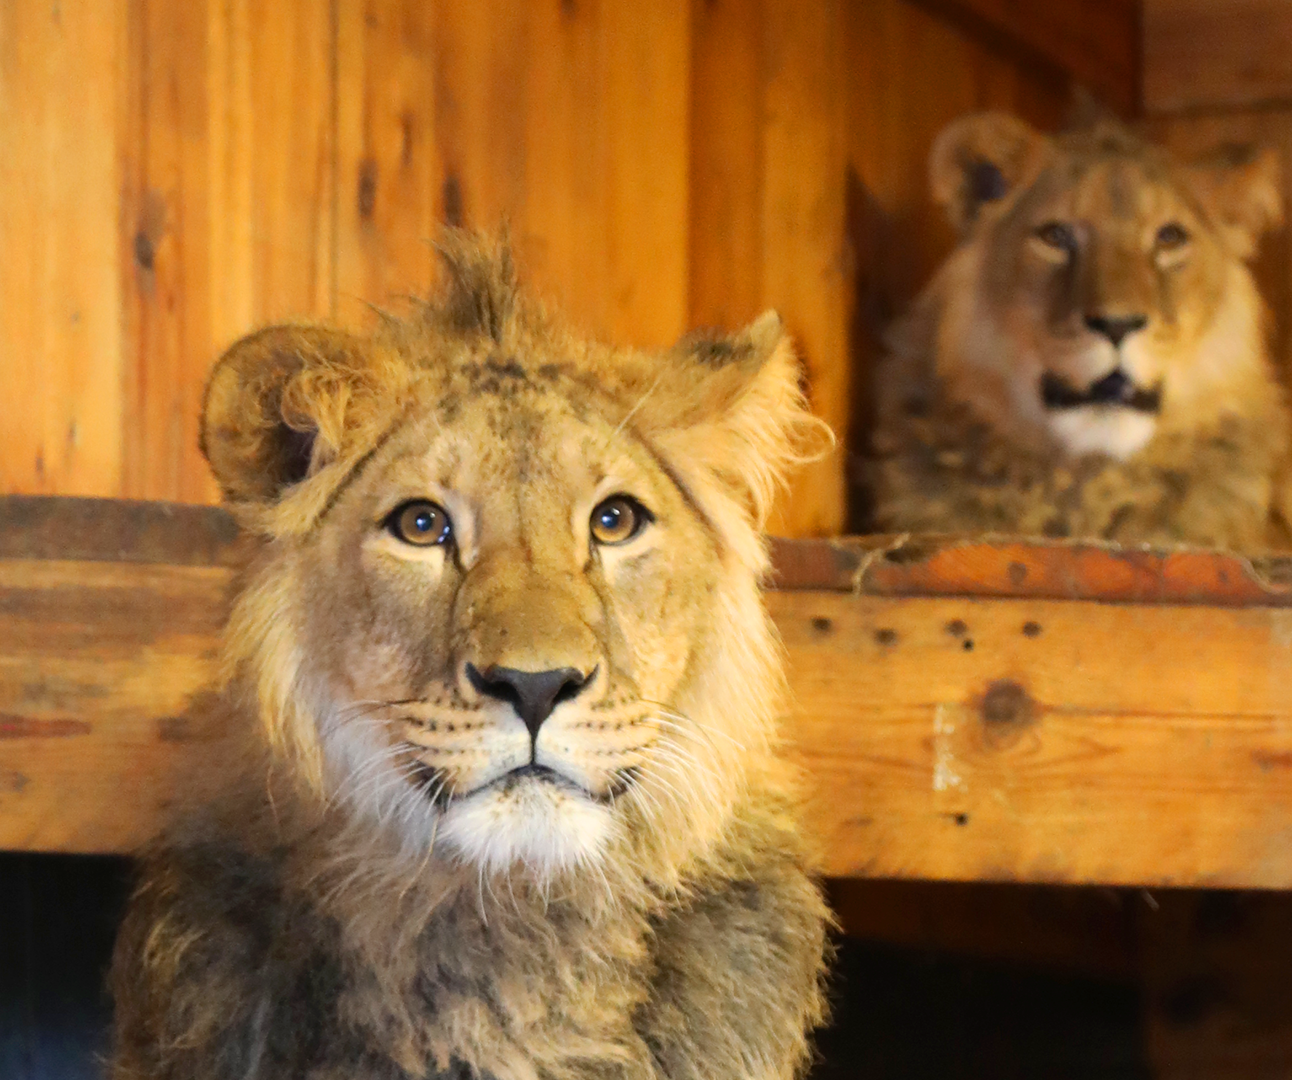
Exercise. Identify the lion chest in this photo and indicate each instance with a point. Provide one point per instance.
(505, 993)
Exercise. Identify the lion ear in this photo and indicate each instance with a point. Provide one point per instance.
(274, 409)
(733, 419)
(1241, 188)
(981, 159)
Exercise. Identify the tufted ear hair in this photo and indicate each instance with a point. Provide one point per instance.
(733, 419)
(981, 159)
(1241, 189)
(275, 407)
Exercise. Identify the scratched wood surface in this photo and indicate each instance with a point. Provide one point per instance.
(174, 173)
(965, 711)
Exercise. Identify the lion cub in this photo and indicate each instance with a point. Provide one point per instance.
(1090, 360)
(507, 804)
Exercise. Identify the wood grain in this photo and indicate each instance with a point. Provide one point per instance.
(727, 138)
(166, 231)
(1216, 54)
(271, 147)
(174, 174)
(387, 165)
(61, 107)
(1044, 741)
(570, 122)
(806, 275)
(1084, 731)
(98, 663)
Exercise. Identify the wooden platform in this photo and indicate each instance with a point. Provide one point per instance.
(967, 710)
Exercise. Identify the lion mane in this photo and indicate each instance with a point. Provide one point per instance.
(501, 796)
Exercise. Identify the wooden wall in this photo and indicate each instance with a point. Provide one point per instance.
(175, 172)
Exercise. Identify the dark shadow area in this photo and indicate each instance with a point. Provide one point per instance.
(907, 1014)
(58, 918)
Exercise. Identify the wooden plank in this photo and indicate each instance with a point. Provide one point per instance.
(117, 530)
(1097, 42)
(227, 213)
(271, 149)
(726, 240)
(1216, 53)
(806, 274)
(387, 165)
(1024, 568)
(166, 251)
(767, 212)
(60, 293)
(646, 79)
(1044, 741)
(948, 736)
(570, 121)
(98, 662)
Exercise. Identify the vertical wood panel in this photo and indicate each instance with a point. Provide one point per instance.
(562, 232)
(60, 341)
(726, 162)
(201, 168)
(805, 274)
(271, 83)
(645, 86)
(480, 103)
(385, 151)
(166, 235)
(570, 120)
(228, 216)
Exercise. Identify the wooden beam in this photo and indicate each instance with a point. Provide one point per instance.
(1095, 42)
(992, 711)
(1207, 54)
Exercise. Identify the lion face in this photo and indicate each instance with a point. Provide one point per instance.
(1104, 293)
(529, 577)
(516, 583)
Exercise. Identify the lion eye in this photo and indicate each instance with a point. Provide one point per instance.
(1172, 236)
(618, 519)
(1059, 236)
(420, 522)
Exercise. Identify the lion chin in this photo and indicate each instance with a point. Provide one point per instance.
(530, 821)
(1101, 429)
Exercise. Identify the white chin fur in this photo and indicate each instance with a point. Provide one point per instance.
(533, 823)
(1101, 429)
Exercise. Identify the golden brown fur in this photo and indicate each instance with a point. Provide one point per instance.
(1090, 360)
(401, 879)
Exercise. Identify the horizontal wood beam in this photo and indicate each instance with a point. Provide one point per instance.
(1095, 42)
(1214, 54)
(989, 711)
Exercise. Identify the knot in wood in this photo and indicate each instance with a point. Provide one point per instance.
(1007, 704)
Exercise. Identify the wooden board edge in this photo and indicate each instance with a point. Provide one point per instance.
(116, 530)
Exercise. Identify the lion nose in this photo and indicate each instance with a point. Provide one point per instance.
(1116, 329)
(533, 694)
